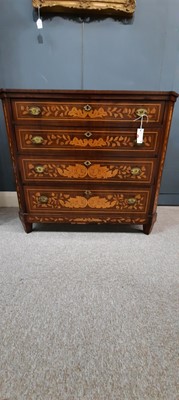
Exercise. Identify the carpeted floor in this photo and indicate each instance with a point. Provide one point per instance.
(89, 315)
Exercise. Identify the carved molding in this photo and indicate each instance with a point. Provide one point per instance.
(126, 7)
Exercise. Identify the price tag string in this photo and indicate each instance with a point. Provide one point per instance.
(142, 119)
(39, 20)
(140, 131)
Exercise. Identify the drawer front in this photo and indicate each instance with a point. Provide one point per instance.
(91, 111)
(45, 200)
(46, 169)
(54, 140)
(91, 218)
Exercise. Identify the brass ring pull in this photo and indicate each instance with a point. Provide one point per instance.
(87, 163)
(135, 171)
(39, 169)
(34, 110)
(87, 107)
(43, 199)
(88, 134)
(131, 201)
(141, 112)
(37, 140)
(88, 193)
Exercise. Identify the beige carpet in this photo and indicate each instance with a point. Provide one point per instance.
(89, 315)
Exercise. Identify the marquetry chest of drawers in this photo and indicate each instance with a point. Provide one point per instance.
(76, 157)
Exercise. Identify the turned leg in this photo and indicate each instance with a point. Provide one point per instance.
(26, 225)
(147, 228)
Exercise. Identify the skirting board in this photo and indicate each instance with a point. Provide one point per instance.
(8, 199)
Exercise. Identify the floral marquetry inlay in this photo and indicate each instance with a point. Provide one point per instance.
(123, 171)
(107, 141)
(84, 220)
(117, 201)
(75, 153)
(121, 112)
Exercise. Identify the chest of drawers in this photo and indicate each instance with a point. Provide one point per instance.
(76, 158)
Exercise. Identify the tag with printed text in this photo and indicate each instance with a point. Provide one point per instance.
(39, 23)
(140, 135)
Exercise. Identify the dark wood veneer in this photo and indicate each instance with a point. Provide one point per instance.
(75, 158)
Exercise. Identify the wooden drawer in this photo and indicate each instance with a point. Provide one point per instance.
(52, 111)
(38, 169)
(88, 218)
(51, 200)
(45, 140)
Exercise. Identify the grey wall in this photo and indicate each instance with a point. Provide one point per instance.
(106, 54)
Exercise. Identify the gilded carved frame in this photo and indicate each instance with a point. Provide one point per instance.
(125, 7)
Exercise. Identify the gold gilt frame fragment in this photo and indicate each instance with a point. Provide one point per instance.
(121, 7)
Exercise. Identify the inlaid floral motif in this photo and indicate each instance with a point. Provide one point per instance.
(122, 112)
(108, 141)
(84, 220)
(94, 171)
(93, 114)
(60, 200)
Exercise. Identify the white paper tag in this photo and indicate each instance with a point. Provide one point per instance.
(39, 24)
(140, 134)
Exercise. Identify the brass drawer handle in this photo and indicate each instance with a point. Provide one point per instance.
(39, 169)
(141, 112)
(43, 199)
(88, 193)
(138, 144)
(34, 110)
(88, 134)
(87, 107)
(87, 163)
(135, 171)
(37, 140)
(131, 201)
